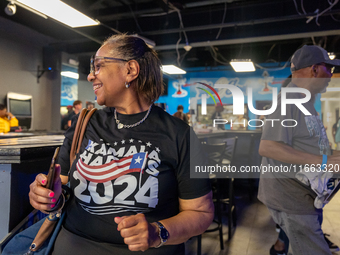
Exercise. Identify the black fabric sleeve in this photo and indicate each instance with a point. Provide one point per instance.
(190, 188)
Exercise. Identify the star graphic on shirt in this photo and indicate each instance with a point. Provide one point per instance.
(131, 140)
(139, 141)
(157, 149)
(138, 160)
(148, 144)
(115, 143)
(89, 145)
(123, 141)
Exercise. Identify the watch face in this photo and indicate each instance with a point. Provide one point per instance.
(164, 233)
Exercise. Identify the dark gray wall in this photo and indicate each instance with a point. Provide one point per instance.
(21, 52)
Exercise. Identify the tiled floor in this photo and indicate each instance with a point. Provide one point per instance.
(255, 231)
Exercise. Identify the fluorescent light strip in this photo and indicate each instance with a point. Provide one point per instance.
(69, 74)
(60, 11)
(18, 96)
(242, 66)
(171, 69)
(31, 10)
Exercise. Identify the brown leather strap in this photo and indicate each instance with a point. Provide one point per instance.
(44, 232)
(83, 128)
(48, 225)
(76, 135)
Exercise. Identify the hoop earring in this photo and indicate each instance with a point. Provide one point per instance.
(127, 85)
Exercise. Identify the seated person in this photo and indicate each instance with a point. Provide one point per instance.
(7, 120)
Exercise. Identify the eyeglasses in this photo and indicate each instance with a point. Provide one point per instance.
(95, 66)
(329, 67)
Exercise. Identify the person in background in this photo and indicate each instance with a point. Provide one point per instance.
(280, 247)
(189, 118)
(336, 134)
(64, 118)
(131, 179)
(179, 114)
(218, 115)
(89, 105)
(241, 123)
(7, 120)
(77, 106)
(291, 203)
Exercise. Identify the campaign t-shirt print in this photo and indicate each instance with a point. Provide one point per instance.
(117, 177)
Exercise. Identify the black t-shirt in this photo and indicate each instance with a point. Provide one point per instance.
(144, 169)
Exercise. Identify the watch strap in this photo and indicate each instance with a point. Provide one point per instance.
(161, 229)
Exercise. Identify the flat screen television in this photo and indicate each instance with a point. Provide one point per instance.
(20, 105)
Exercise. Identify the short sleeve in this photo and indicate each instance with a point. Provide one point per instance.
(190, 188)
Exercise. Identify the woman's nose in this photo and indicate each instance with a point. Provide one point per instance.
(91, 77)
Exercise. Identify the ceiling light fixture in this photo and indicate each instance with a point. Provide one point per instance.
(187, 47)
(242, 65)
(59, 11)
(171, 69)
(69, 74)
(331, 55)
(10, 9)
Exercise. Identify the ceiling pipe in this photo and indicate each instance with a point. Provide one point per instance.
(159, 11)
(251, 40)
(234, 24)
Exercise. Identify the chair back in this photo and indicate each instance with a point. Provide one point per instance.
(214, 152)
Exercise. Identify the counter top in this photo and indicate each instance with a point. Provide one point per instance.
(15, 150)
(31, 133)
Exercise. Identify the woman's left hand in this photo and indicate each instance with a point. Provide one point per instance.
(137, 232)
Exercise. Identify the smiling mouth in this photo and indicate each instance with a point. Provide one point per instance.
(98, 86)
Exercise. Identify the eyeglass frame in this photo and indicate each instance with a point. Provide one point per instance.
(328, 66)
(93, 58)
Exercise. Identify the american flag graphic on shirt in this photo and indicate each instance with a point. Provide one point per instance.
(113, 169)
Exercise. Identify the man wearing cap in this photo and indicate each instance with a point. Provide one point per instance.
(290, 202)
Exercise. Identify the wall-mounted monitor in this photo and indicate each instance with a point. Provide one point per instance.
(21, 105)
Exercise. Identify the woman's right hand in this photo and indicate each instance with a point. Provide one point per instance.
(42, 198)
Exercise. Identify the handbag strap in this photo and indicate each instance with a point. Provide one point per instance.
(79, 131)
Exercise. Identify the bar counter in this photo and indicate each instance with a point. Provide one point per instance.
(21, 159)
(228, 133)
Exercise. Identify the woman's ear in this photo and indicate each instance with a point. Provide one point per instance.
(133, 70)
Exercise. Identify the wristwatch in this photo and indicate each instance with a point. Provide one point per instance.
(163, 234)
